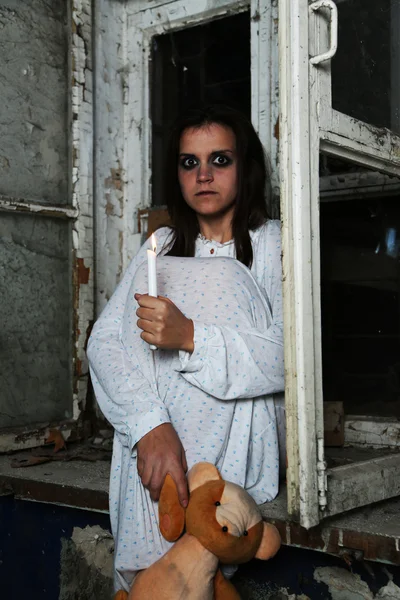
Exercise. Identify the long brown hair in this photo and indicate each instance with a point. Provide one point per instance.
(253, 182)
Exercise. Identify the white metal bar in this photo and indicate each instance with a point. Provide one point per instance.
(18, 205)
(363, 148)
(265, 85)
(394, 93)
(315, 6)
(297, 262)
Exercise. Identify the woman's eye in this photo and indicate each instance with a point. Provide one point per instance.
(188, 163)
(221, 160)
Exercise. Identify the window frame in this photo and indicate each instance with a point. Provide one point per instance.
(79, 211)
(126, 199)
(310, 125)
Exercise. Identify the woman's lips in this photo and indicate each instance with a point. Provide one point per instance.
(205, 193)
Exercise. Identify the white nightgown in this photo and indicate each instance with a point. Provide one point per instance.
(220, 399)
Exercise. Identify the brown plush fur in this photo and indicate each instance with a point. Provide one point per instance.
(228, 548)
(223, 589)
(223, 524)
(171, 513)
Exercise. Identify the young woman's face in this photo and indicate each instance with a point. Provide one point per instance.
(207, 170)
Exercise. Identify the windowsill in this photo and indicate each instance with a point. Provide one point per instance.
(75, 483)
(372, 533)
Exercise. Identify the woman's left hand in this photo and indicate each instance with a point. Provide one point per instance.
(163, 324)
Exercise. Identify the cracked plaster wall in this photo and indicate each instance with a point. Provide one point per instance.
(34, 106)
(87, 567)
(35, 297)
(35, 269)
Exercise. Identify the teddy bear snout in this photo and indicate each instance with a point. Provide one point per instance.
(237, 522)
(237, 510)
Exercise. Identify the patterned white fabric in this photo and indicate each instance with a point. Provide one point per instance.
(220, 399)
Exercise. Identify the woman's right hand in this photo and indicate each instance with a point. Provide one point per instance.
(160, 452)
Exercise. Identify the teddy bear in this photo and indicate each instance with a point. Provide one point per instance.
(222, 524)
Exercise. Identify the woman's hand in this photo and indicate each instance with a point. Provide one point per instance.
(160, 452)
(163, 324)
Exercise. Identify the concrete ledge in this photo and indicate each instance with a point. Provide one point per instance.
(372, 532)
(75, 483)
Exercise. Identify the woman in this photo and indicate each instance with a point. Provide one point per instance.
(207, 392)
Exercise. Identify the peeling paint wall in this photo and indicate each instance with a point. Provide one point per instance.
(82, 192)
(111, 202)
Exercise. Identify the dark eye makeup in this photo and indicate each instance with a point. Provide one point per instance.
(221, 160)
(218, 159)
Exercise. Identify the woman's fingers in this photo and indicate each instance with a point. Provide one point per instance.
(153, 479)
(178, 475)
(184, 463)
(146, 474)
(160, 452)
(146, 301)
(146, 325)
(156, 483)
(145, 313)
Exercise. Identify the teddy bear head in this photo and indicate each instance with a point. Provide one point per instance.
(221, 515)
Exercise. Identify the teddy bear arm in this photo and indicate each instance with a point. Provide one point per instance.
(121, 595)
(171, 514)
(224, 589)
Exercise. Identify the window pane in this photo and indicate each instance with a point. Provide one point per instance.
(360, 292)
(35, 334)
(34, 100)
(366, 68)
(194, 66)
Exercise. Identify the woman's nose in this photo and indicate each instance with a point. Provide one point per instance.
(204, 174)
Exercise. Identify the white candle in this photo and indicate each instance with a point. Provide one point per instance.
(152, 272)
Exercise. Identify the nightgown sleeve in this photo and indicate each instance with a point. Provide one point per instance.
(127, 399)
(230, 362)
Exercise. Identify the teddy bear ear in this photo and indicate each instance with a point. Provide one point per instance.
(201, 473)
(171, 513)
(270, 542)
